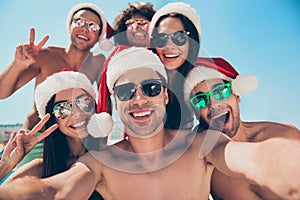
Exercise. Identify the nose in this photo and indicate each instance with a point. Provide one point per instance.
(169, 42)
(139, 96)
(214, 103)
(76, 111)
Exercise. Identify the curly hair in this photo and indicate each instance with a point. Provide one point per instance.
(144, 9)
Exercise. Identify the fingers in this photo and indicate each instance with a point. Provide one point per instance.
(42, 42)
(39, 125)
(32, 36)
(46, 133)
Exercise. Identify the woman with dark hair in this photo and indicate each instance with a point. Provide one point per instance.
(69, 98)
(175, 37)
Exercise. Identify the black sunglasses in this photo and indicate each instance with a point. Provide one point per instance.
(179, 38)
(63, 109)
(150, 88)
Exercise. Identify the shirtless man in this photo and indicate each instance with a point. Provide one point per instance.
(155, 163)
(87, 25)
(220, 111)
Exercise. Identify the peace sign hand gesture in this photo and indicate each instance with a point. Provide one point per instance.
(26, 54)
(21, 143)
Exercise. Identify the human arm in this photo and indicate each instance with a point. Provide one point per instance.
(18, 73)
(76, 183)
(272, 163)
(20, 144)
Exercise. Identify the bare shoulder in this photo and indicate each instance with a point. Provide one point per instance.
(90, 161)
(49, 56)
(266, 130)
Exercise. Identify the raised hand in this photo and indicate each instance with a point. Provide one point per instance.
(21, 143)
(26, 54)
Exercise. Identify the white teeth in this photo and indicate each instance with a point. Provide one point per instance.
(82, 37)
(139, 34)
(141, 114)
(216, 116)
(171, 55)
(78, 124)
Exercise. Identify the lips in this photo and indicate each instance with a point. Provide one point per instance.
(77, 125)
(141, 115)
(82, 37)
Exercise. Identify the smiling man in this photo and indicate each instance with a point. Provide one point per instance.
(87, 26)
(216, 88)
(153, 162)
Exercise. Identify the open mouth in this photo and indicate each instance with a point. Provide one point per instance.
(78, 125)
(82, 37)
(141, 115)
(220, 120)
(171, 56)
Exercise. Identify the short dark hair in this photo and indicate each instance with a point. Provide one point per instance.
(93, 11)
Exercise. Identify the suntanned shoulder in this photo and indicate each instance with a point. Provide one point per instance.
(260, 131)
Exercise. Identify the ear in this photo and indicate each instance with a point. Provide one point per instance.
(238, 98)
(166, 96)
(115, 100)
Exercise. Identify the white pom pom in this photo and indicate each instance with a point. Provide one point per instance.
(100, 125)
(106, 44)
(244, 84)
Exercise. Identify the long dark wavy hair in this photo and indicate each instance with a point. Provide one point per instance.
(178, 115)
(146, 10)
(56, 151)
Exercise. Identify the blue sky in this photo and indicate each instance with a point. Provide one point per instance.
(257, 37)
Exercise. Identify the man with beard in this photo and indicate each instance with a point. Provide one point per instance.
(216, 88)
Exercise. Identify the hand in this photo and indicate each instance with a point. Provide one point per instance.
(21, 143)
(26, 54)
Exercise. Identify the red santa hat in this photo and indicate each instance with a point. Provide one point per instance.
(123, 59)
(107, 30)
(180, 8)
(214, 68)
(65, 80)
(57, 82)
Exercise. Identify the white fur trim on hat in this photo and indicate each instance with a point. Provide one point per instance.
(104, 43)
(100, 125)
(180, 8)
(57, 82)
(241, 85)
(132, 58)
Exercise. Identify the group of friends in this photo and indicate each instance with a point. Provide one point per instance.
(183, 137)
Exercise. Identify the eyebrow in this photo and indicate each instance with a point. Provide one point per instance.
(213, 87)
(63, 100)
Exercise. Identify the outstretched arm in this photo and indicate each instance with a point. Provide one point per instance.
(273, 163)
(20, 144)
(76, 183)
(13, 77)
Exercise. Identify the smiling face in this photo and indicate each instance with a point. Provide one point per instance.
(172, 55)
(81, 37)
(74, 124)
(221, 115)
(137, 30)
(142, 115)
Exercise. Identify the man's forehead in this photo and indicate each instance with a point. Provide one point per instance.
(138, 75)
(208, 84)
(87, 14)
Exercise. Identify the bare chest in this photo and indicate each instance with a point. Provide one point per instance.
(176, 181)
